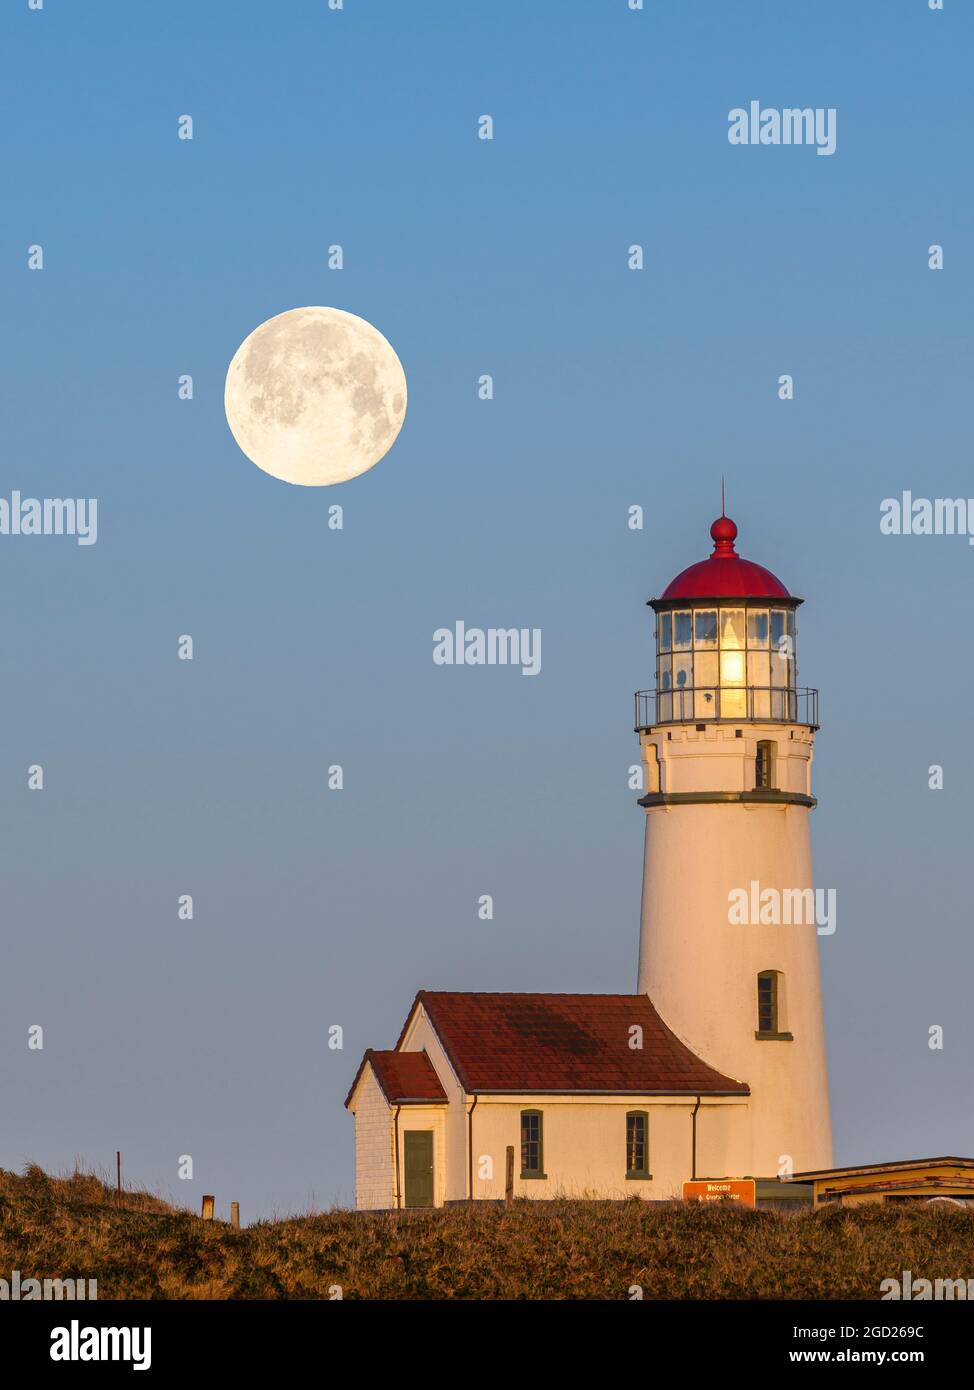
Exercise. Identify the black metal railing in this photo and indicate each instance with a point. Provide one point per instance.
(688, 704)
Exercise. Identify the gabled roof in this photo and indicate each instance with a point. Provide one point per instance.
(565, 1042)
(404, 1077)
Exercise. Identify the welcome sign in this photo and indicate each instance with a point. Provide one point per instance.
(741, 1190)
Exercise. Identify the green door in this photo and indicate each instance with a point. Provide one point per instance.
(417, 1148)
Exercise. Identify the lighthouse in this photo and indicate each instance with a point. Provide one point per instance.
(729, 930)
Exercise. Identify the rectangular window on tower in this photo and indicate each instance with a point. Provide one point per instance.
(764, 766)
(767, 1002)
(772, 1020)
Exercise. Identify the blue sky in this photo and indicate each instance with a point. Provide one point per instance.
(313, 647)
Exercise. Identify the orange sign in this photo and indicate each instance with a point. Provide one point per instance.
(721, 1190)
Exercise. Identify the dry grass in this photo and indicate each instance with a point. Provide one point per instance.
(82, 1188)
(143, 1248)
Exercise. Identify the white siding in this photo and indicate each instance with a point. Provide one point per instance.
(375, 1177)
(584, 1144)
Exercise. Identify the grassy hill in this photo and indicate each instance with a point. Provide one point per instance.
(138, 1246)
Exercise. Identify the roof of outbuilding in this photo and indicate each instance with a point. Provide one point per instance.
(564, 1043)
(930, 1183)
(403, 1076)
(894, 1165)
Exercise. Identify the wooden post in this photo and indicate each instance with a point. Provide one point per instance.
(509, 1177)
(207, 1212)
(235, 1215)
(118, 1171)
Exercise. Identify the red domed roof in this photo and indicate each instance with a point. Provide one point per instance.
(724, 574)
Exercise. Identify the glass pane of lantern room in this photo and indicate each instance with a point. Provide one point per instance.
(782, 669)
(705, 682)
(758, 670)
(779, 629)
(731, 668)
(705, 669)
(682, 681)
(760, 703)
(733, 703)
(757, 628)
(758, 679)
(704, 704)
(681, 631)
(704, 628)
(665, 631)
(732, 628)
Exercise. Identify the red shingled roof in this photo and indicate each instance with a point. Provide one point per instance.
(564, 1042)
(403, 1076)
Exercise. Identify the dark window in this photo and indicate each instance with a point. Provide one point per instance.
(764, 765)
(768, 1002)
(531, 1144)
(705, 627)
(757, 628)
(779, 633)
(637, 1144)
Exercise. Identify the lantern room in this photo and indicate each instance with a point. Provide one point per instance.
(725, 645)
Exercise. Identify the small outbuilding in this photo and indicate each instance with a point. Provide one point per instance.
(596, 1096)
(903, 1180)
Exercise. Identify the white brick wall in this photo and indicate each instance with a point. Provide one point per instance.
(375, 1178)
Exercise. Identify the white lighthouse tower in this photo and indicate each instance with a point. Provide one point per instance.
(726, 741)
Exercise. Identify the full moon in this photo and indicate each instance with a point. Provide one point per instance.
(315, 396)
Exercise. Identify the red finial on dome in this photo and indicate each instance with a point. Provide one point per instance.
(724, 534)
